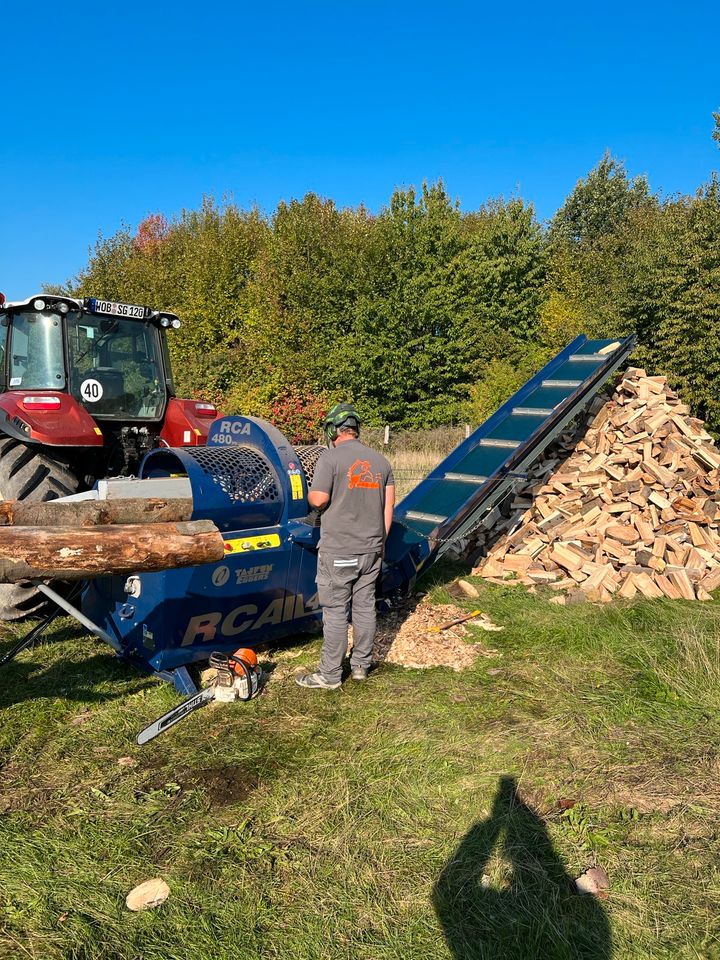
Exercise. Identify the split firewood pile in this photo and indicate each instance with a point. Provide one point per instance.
(629, 504)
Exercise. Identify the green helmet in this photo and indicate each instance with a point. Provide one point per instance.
(341, 415)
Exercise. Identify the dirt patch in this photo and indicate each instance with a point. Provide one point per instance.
(226, 785)
(407, 637)
(221, 785)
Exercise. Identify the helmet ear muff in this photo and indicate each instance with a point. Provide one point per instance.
(340, 414)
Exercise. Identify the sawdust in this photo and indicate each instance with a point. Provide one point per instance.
(405, 637)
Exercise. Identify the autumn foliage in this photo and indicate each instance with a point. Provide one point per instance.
(151, 233)
(423, 314)
(299, 415)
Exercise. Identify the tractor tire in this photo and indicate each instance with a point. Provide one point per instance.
(28, 474)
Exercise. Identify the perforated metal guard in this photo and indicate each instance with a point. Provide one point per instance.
(242, 472)
(308, 457)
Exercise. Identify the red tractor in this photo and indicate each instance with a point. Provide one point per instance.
(86, 390)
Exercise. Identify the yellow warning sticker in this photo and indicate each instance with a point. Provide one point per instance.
(246, 544)
(296, 486)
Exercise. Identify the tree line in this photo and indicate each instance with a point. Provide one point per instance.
(423, 314)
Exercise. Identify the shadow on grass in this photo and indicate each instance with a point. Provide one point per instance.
(25, 680)
(538, 916)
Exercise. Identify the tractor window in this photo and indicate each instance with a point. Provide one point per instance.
(170, 382)
(115, 366)
(36, 352)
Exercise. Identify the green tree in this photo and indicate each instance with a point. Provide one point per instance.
(301, 302)
(197, 266)
(404, 369)
(599, 204)
(422, 314)
(673, 295)
(592, 241)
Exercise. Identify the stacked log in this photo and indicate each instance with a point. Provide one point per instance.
(78, 540)
(91, 513)
(629, 504)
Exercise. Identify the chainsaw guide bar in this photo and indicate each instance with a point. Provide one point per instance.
(175, 715)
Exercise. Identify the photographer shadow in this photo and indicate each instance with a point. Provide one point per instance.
(538, 915)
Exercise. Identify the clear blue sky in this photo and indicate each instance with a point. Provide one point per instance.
(112, 111)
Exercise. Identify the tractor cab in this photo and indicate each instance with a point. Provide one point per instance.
(93, 373)
(111, 357)
(86, 391)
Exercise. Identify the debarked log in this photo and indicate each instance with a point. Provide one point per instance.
(90, 513)
(69, 553)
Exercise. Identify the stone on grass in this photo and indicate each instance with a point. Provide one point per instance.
(595, 881)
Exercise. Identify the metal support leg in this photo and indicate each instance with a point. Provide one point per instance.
(183, 681)
(79, 616)
(37, 631)
(179, 678)
(29, 639)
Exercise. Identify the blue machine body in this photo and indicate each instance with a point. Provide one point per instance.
(253, 484)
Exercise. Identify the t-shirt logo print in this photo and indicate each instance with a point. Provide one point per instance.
(360, 475)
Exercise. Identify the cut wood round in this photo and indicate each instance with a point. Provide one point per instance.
(67, 553)
(147, 895)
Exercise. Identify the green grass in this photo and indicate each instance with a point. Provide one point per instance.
(419, 815)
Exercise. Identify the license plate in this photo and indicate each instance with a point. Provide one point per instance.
(110, 308)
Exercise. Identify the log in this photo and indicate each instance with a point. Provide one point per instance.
(90, 513)
(67, 553)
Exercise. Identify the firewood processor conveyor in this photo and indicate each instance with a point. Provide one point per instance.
(252, 484)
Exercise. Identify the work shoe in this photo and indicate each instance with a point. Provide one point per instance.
(316, 681)
(359, 673)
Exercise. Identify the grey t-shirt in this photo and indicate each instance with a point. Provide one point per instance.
(355, 477)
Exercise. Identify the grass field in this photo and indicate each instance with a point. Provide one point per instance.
(420, 815)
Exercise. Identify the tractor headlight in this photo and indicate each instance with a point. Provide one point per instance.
(164, 322)
(38, 304)
(176, 324)
(63, 307)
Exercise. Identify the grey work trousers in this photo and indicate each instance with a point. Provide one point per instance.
(346, 590)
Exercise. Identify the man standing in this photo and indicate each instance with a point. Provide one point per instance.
(354, 487)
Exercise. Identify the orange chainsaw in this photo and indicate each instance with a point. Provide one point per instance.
(237, 677)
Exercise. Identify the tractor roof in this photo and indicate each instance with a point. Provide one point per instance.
(86, 304)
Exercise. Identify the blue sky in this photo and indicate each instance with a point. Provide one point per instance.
(110, 112)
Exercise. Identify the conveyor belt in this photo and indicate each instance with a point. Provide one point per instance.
(453, 499)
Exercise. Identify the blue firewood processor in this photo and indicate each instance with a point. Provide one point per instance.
(252, 484)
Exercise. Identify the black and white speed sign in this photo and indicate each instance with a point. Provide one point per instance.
(91, 391)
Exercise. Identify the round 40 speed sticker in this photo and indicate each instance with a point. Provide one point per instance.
(91, 391)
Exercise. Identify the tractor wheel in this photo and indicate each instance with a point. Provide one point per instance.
(28, 474)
